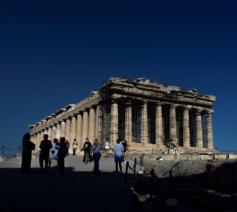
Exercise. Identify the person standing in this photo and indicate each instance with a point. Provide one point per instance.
(87, 151)
(125, 147)
(118, 155)
(45, 147)
(62, 153)
(106, 148)
(54, 151)
(27, 148)
(96, 155)
(68, 146)
(74, 146)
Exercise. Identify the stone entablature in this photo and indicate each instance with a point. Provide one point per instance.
(146, 114)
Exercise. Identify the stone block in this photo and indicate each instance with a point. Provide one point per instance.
(206, 157)
(221, 157)
(232, 156)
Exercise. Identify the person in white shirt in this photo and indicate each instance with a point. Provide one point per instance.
(53, 155)
(74, 146)
(106, 148)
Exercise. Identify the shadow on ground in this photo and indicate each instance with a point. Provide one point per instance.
(85, 191)
(80, 191)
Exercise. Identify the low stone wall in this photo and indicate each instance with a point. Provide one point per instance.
(182, 167)
(182, 164)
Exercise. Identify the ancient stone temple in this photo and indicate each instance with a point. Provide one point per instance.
(147, 114)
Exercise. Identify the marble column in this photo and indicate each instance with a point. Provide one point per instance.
(209, 130)
(173, 127)
(73, 129)
(38, 141)
(46, 131)
(67, 135)
(159, 126)
(98, 129)
(50, 133)
(199, 130)
(186, 128)
(54, 133)
(41, 138)
(79, 130)
(32, 138)
(58, 133)
(144, 124)
(92, 124)
(114, 122)
(85, 126)
(128, 122)
(63, 128)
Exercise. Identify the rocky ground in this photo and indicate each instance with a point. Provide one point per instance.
(211, 184)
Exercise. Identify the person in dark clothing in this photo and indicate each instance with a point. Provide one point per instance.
(96, 156)
(28, 146)
(62, 153)
(68, 146)
(87, 147)
(45, 147)
(125, 147)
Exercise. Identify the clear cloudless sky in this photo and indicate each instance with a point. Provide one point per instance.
(53, 53)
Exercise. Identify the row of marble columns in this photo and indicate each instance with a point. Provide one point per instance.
(159, 125)
(86, 124)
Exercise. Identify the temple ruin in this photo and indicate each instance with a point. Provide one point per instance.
(147, 114)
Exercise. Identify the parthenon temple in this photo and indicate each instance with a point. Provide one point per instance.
(146, 114)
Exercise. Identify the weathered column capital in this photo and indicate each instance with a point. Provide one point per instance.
(159, 103)
(209, 112)
(173, 105)
(63, 121)
(187, 107)
(115, 97)
(144, 103)
(128, 103)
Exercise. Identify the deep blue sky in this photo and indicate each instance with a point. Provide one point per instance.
(55, 52)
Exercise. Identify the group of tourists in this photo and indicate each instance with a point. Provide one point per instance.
(59, 149)
(56, 150)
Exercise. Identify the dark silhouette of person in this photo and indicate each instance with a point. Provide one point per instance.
(45, 147)
(62, 153)
(125, 147)
(27, 148)
(87, 151)
(68, 146)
